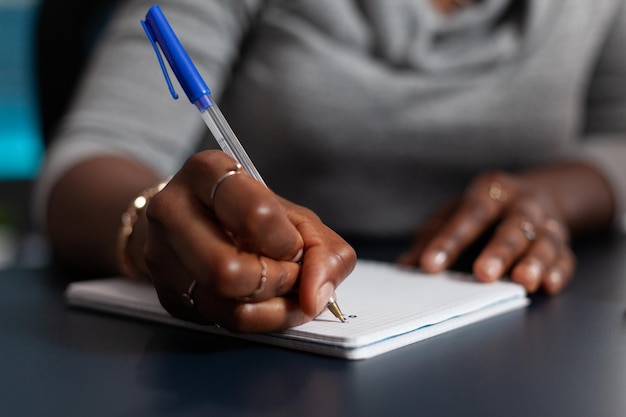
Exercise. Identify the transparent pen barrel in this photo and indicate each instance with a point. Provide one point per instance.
(227, 140)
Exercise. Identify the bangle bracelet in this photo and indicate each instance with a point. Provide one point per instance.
(129, 218)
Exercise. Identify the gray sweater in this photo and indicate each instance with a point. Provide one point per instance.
(370, 112)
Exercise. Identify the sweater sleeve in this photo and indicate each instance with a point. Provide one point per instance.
(605, 125)
(123, 107)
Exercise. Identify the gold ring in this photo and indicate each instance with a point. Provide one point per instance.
(233, 171)
(497, 193)
(261, 286)
(187, 299)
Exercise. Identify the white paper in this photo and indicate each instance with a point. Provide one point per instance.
(386, 307)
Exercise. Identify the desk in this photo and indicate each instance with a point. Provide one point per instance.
(563, 356)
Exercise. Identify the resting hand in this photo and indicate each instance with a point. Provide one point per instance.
(236, 258)
(529, 241)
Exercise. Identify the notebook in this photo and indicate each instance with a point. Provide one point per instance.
(386, 307)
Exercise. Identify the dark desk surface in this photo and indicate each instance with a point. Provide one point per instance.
(563, 356)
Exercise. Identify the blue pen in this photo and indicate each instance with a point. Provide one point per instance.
(160, 32)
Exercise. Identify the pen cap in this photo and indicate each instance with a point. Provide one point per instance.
(160, 32)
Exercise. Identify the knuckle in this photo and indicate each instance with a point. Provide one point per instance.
(226, 274)
(264, 212)
(266, 220)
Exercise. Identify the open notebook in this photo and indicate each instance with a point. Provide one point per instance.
(386, 306)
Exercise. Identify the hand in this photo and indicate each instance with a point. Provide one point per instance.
(529, 240)
(236, 259)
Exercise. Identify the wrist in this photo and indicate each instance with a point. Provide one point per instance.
(132, 234)
(580, 193)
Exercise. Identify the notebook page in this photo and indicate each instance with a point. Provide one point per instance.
(386, 307)
(381, 300)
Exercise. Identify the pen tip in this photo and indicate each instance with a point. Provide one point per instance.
(334, 308)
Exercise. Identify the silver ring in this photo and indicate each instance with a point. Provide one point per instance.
(261, 286)
(187, 299)
(528, 229)
(233, 171)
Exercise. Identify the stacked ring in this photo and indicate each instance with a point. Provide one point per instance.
(528, 229)
(262, 282)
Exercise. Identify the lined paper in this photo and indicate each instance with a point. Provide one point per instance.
(386, 307)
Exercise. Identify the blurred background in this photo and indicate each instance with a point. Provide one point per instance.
(44, 45)
(20, 141)
(21, 144)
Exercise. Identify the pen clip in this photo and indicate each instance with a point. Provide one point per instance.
(160, 32)
(160, 58)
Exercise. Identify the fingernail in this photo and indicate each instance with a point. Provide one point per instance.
(434, 260)
(440, 258)
(298, 256)
(532, 274)
(494, 268)
(554, 281)
(323, 296)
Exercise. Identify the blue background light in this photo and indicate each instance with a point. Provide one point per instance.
(21, 146)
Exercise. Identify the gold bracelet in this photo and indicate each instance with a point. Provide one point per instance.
(129, 218)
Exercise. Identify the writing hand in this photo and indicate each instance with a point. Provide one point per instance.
(234, 259)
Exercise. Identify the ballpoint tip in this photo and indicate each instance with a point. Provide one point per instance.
(334, 308)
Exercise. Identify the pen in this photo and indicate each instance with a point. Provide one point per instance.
(160, 32)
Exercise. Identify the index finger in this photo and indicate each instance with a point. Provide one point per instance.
(244, 207)
(480, 208)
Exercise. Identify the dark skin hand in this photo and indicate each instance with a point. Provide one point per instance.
(225, 245)
(532, 215)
